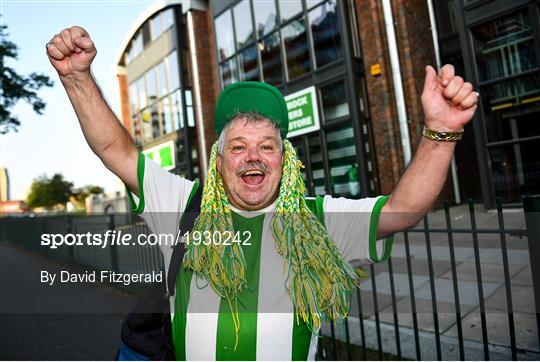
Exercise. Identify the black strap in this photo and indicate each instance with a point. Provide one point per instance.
(186, 224)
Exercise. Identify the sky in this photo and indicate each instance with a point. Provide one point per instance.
(53, 142)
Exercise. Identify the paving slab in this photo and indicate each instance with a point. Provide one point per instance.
(489, 255)
(523, 278)
(468, 291)
(498, 330)
(490, 272)
(368, 309)
(522, 299)
(401, 283)
(446, 314)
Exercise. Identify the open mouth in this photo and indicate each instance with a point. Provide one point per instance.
(253, 177)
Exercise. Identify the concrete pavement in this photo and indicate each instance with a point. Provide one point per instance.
(61, 322)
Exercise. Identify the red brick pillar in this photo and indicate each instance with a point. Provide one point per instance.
(207, 77)
(124, 99)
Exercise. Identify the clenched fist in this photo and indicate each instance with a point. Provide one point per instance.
(71, 52)
(449, 102)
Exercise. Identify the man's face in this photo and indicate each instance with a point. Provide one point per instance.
(251, 164)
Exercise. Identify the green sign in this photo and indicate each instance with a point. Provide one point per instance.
(303, 112)
(162, 154)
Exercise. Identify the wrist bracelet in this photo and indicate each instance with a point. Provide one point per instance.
(442, 136)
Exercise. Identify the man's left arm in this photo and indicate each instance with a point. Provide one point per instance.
(449, 104)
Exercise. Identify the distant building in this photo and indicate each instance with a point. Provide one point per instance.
(13, 207)
(108, 203)
(331, 59)
(4, 184)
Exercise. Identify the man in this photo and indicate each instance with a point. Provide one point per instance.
(263, 264)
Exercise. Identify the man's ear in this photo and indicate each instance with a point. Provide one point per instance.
(218, 163)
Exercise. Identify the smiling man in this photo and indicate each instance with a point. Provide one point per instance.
(271, 262)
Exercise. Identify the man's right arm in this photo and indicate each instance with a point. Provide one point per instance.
(71, 53)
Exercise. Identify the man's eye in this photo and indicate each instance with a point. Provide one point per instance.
(237, 148)
(267, 148)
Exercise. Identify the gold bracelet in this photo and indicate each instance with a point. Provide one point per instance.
(442, 136)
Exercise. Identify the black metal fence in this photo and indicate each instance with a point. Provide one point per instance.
(402, 311)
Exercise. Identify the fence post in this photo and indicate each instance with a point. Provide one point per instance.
(531, 206)
(112, 246)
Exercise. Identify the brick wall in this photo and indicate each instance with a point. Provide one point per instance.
(208, 78)
(415, 47)
(124, 102)
(383, 112)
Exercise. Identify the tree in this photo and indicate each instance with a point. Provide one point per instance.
(15, 87)
(49, 192)
(80, 194)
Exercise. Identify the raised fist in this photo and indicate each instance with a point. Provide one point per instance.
(449, 101)
(71, 52)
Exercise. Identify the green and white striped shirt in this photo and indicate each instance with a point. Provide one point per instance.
(203, 327)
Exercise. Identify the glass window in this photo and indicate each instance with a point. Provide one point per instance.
(156, 129)
(510, 98)
(176, 109)
(342, 162)
(271, 59)
(224, 35)
(243, 24)
(141, 88)
(151, 85)
(317, 165)
(168, 18)
(334, 101)
(166, 118)
(127, 57)
(138, 43)
(325, 27)
(312, 3)
(136, 129)
(289, 9)
(296, 48)
(504, 47)
(248, 64)
(174, 75)
(163, 89)
(147, 134)
(446, 17)
(516, 170)
(265, 16)
(189, 109)
(155, 27)
(133, 98)
(228, 72)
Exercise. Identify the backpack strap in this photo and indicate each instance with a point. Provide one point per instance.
(187, 221)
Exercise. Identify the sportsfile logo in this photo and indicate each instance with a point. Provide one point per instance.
(120, 238)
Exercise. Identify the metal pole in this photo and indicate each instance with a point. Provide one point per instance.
(435, 38)
(531, 206)
(398, 84)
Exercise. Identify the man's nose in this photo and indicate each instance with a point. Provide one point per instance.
(253, 155)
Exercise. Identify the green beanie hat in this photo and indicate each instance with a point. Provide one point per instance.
(245, 97)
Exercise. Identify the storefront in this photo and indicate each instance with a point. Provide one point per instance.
(308, 51)
(499, 44)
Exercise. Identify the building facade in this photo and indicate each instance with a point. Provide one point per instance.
(352, 73)
(4, 184)
(497, 45)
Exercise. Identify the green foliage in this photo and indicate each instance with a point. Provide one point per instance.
(48, 192)
(16, 87)
(80, 194)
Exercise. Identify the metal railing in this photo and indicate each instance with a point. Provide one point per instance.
(370, 332)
